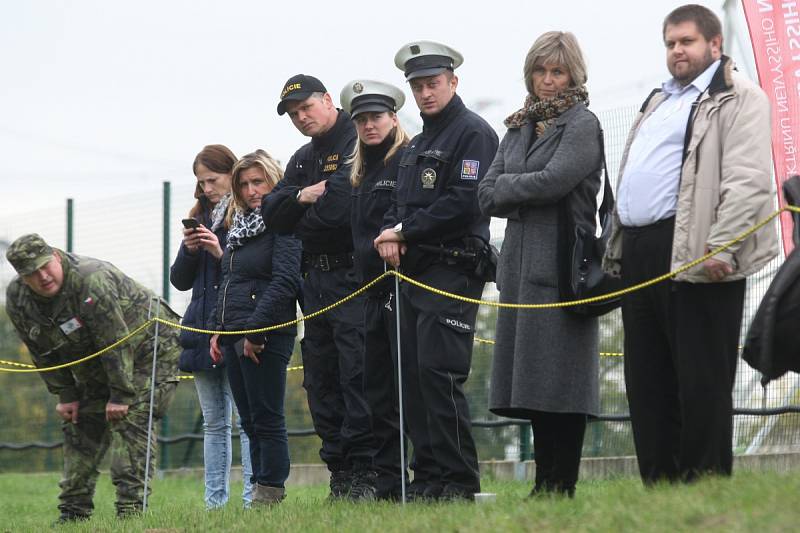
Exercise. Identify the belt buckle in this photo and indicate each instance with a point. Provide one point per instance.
(324, 265)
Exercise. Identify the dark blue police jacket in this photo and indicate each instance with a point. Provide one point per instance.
(323, 227)
(437, 181)
(371, 200)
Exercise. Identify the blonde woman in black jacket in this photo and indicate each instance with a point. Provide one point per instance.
(260, 283)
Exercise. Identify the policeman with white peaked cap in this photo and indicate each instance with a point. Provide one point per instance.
(436, 222)
(420, 59)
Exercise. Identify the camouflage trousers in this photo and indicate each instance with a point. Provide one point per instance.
(86, 443)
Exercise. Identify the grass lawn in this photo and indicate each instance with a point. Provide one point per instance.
(746, 502)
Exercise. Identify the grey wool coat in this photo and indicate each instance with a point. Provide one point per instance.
(544, 359)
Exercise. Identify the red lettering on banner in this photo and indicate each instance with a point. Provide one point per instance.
(774, 30)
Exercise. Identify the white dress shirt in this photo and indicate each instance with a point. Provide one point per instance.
(648, 191)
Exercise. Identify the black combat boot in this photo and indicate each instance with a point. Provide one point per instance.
(341, 481)
(364, 485)
(68, 517)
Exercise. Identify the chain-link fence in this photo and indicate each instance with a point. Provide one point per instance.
(129, 231)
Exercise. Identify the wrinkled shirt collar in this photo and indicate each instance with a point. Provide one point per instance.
(700, 83)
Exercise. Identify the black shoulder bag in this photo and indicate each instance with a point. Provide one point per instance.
(580, 251)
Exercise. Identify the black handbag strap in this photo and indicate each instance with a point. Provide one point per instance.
(608, 194)
(791, 192)
(606, 206)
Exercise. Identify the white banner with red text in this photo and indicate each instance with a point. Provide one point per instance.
(775, 33)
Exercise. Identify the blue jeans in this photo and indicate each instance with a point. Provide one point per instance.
(259, 391)
(216, 402)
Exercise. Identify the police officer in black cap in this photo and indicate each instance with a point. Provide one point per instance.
(313, 202)
(435, 232)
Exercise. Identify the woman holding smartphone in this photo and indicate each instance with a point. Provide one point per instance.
(197, 268)
(260, 283)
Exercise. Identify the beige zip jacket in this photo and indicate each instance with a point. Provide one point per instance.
(726, 185)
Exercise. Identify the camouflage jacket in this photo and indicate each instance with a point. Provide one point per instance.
(96, 306)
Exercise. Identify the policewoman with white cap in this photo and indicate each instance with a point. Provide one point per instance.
(373, 105)
(313, 203)
(433, 233)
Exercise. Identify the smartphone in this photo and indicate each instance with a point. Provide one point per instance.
(238, 347)
(190, 223)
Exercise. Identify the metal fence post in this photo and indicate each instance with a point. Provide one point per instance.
(400, 392)
(70, 226)
(167, 199)
(166, 252)
(147, 464)
(525, 452)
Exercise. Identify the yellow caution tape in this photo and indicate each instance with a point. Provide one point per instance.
(15, 363)
(610, 295)
(82, 359)
(289, 369)
(294, 322)
(664, 277)
(602, 354)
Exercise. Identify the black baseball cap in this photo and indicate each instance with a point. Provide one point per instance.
(299, 87)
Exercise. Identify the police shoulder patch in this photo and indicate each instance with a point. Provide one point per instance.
(469, 169)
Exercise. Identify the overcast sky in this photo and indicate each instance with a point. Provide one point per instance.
(100, 98)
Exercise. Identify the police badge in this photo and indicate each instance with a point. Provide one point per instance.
(428, 178)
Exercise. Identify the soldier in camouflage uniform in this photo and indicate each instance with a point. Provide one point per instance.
(64, 307)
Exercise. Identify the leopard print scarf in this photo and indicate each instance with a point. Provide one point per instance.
(544, 112)
(245, 225)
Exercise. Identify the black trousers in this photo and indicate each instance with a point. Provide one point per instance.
(681, 348)
(557, 445)
(380, 390)
(332, 349)
(436, 341)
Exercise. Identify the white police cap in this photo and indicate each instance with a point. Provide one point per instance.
(360, 96)
(426, 58)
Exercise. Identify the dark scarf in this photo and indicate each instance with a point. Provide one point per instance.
(375, 153)
(544, 112)
(245, 225)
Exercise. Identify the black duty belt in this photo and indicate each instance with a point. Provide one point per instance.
(327, 262)
(448, 254)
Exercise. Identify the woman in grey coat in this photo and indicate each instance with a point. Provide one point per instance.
(545, 366)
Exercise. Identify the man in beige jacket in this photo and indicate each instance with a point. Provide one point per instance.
(695, 173)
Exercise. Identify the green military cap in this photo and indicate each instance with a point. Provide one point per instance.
(419, 59)
(28, 254)
(361, 96)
